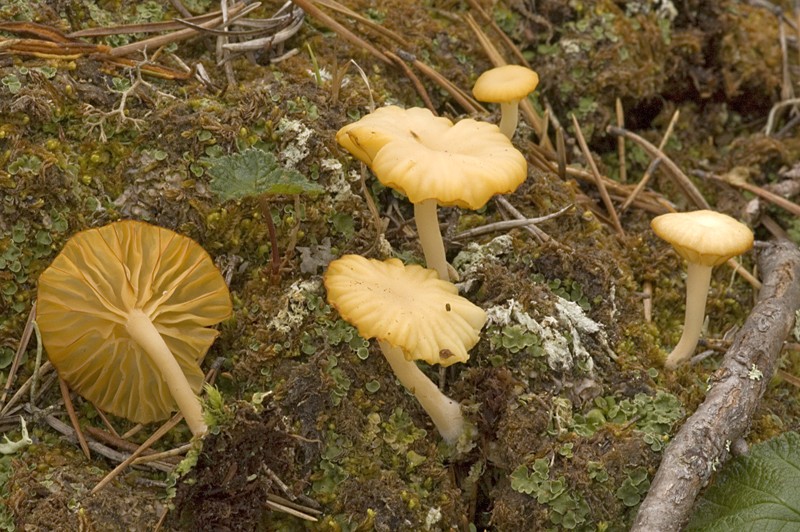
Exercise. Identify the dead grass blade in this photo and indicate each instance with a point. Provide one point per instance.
(598, 179)
(653, 164)
(73, 417)
(683, 181)
(313, 11)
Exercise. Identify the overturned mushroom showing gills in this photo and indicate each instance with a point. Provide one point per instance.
(125, 311)
(415, 316)
(506, 85)
(435, 162)
(705, 239)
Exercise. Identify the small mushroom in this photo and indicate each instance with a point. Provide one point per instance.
(415, 316)
(506, 85)
(705, 239)
(124, 312)
(435, 162)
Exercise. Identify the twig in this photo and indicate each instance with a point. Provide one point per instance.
(467, 102)
(106, 422)
(73, 417)
(487, 19)
(774, 111)
(373, 209)
(701, 445)
(180, 35)
(509, 224)
(37, 366)
(653, 164)
(163, 429)
(623, 167)
(769, 223)
(313, 11)
(746, 275)
(21, 348)
(423, 93)
(286, 509)
(561, 153)
(735, 179)
(540, 235)
(172, 453)
(683, 181)
(107, 452)
(157, 435)
(788, 377)
(46, 368)
(598, 179)
(377, 28)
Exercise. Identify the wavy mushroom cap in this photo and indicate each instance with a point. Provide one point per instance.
(428, 157)
(84, 300)
(505, 84)
(371, 132)
(406, 306)
(703, 237)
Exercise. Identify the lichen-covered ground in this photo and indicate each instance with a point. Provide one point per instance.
(568, 404)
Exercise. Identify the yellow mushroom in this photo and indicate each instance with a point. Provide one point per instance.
(415, 316)
(705, 239)
(435, 162)
(506, 85)
(124, 311)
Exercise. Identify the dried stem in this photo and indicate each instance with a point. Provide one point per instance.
(598, 179)
(683, 181)
(73, 417)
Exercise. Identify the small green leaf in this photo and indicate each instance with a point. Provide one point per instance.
(758, 492)
(254, 172)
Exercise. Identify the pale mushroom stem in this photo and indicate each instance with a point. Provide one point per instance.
(698, 279)
(509, 117)
(430, 237)
(147, 336)
(445, 413)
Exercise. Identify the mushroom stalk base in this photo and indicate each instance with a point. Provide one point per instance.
(698, 279)
(146, 335)
(445, 413)
(430, 237)
(509, 117)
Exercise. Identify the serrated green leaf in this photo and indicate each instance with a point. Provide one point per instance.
(758, 492)
(254, 172)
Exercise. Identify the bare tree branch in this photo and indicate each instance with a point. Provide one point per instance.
(703, 443)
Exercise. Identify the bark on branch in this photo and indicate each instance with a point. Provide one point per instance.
(703, 443)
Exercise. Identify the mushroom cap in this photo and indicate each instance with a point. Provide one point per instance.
(428, 157)
(408, 307)
(506, 83)
(84, 299)
(371, 132)
(703, 237)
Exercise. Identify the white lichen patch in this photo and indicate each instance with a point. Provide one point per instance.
(11, 447)
(470, 260)
(561, 335)
(298, 149)
(337, 186)
(296, 308)
(754, 374)
(433, 517)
